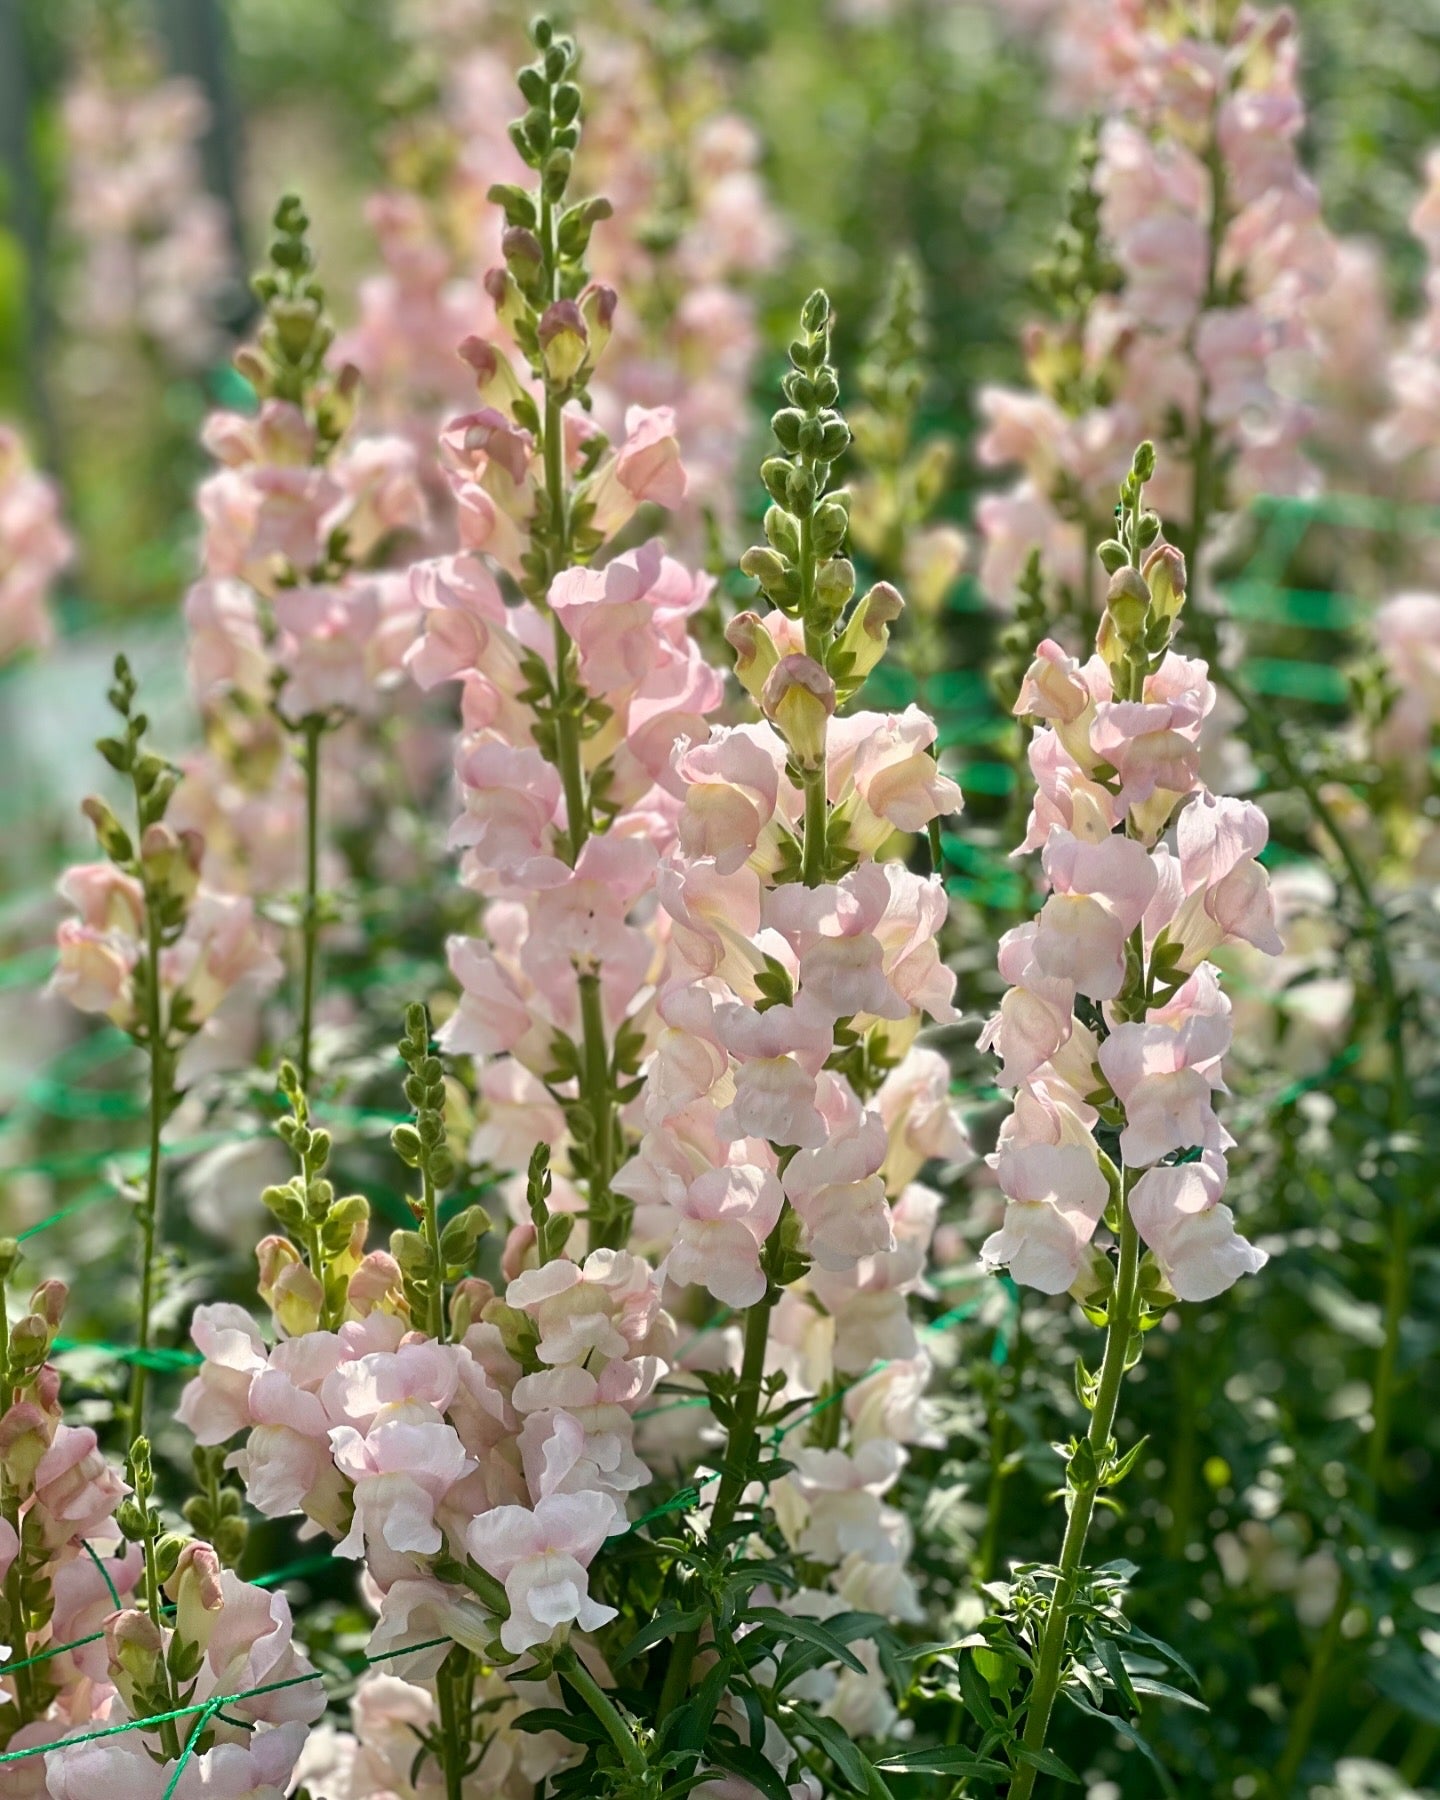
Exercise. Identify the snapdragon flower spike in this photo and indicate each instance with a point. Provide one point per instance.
(227, 1637)
(1149, 873)
(58, 1500)
(154, 247)
(787, 1109)
(35, 548)
(1188, 288)
(574, 696)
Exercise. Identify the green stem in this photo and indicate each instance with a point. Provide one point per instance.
(155, 1606)
(18, 1624)
(453, 1693)
(431, 1208)
(609, 1223)
(605, 1711)
(1302, 1720)
(1049, 1663)
(313, 730)
(150, 1205)
(989, 1543)
(817, 815)
(739, 1449)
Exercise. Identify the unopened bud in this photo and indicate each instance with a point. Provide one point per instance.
(25, 1434)
(564, 341)
(798, 698)
(196, 1589)
(495, 377)
(1127, 602)
(1164, 571)
(375, 1286)
(134, 1647)
(755, 652)
(597, 308)
(293, 1294)
(113, 839)
(504, 291)
(867, 632)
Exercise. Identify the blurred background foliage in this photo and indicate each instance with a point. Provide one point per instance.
(912, 126)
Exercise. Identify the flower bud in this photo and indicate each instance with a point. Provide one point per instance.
(867, 632)
(777, 579)
(112, 837)
(1164, 572)
(375, 1286)
(48, 1300)
(135, 1648)
(25, 1434)
(755, 652)
(564, 341)
(171, 862)
(293, 1294)
(523, 255)
(597, 309)
(495, 379)
(29, 1344)
(196, 1589)
(510, 303)
(1127, 606)
(468, 1300)
(798, 698)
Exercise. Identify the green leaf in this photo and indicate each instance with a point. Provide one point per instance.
(1114, 1665)
(977, 1694)
(1162, 1690)
(809, 1631)
(664, 1625)
(1128, 1731)
(944, 1759)
(845, 1754)
(1047, 1762)
(1122, 1466)
(579, 1729)
(1134, 1635)
(749, 1765)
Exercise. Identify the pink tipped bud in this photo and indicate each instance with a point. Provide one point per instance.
(798, 698)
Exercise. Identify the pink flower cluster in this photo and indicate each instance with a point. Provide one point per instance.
(34, 548)
(511, 1447)
(242, 1637)
(220, 965)
(1408, 435)
(1115, 1019)
(648, 141)
(294, 617)
(156, 253)
(61, 1501)
(1209, 341)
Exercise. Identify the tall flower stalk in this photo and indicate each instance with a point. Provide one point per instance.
(1114, 1031)
(157, 954)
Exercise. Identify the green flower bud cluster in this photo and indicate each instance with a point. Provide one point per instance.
(801, 569)
(902, 481)
(1147, 586)
(540, 293)
(166, 863)
(216, 1510)
(287, 361)
(27, 1343)
(1079, 268)
(552, 1230)
(331, 1229)
(431, 1256)
(1016, 646)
